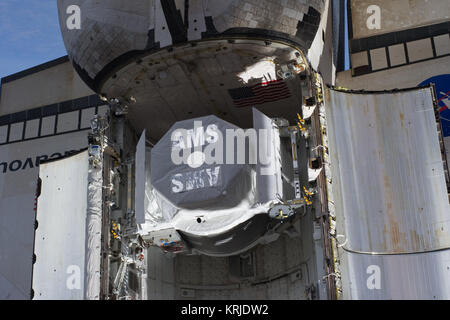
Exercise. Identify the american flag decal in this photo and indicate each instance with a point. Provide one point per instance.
(261, 93)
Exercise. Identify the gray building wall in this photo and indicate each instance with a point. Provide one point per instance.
(45, 114)
(397, 15)
(46, 84)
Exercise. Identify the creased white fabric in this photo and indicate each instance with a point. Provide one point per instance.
(93, 236)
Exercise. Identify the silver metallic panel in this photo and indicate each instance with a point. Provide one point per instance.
(424, 276)
(390, 195)
(388, 175)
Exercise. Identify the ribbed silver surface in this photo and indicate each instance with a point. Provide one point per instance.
(390, 194)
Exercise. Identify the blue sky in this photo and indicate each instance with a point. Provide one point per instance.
(29, 34)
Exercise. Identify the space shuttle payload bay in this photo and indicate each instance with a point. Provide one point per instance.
(220, 162)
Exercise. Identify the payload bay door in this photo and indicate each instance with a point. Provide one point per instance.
(390, 193)
(60, 239)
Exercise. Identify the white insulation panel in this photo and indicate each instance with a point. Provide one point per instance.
(60, 241)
